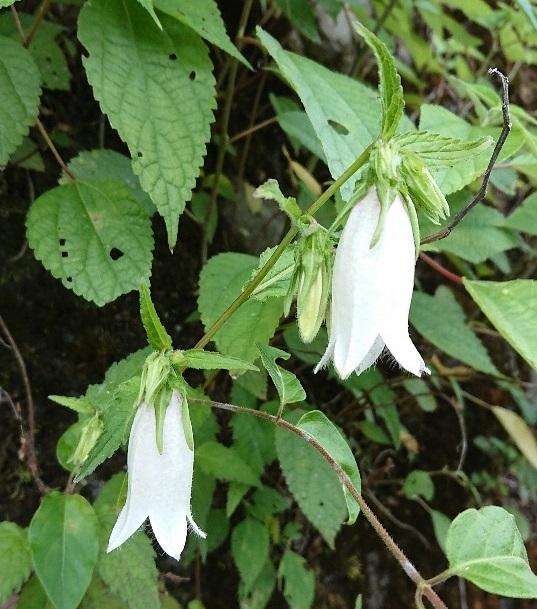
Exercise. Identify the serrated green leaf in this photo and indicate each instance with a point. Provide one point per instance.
(271, 190)
(157, 335)
(511, 307)
(313, 483)
(130, 572)
(224, 463)
(288, 386)
(79, 405)
(117, 419)
(390, 89)
(266, 502)
(104, 164)
(441, 320)
(254, 321)
(344, 113)
(440, 150)
(253, 440)
(20, 89)
(418, 483)
(15, 559)
(93, 236)
(299, 581)
(203, 16)
(63, 537)
(524, 218)
(145, 78)
(485, 547)
(212, 360)
(316, 424)
(250, 546)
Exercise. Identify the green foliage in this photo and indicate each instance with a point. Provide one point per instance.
(63, 538)
(441, 524)
(392, 102)
(169, 71)
(203, 17)
(224, 463)
(485, 547)
(418, 483)
(299, 581)
(250, 548)
(157, 336)
(424, 397)
(510, 307)
(254, 322)
(524, 218)
(15, 559)
(441, 320)
(318, 426)
(276, 282)
(32, 596)
(520, 432)
(288, 386)
(212, 360)
(261, 589)
(253, 441)
(313, 483)
(20, 89)
(93, 236)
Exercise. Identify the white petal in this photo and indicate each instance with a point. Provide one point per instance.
(136, 508)
(195, 527)
(372, 356)
(397, 245)
(357, 287)
(327, 356)
(172, 483)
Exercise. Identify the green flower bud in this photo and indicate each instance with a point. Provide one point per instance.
(423, 189)
(89, 436)
(311, 281)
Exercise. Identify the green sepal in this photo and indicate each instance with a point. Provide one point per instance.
(423, 189)
(360, 191)
(157, 336)
(160, 405)
(187, 425)
(414, 223)
(91, 432)
(155, 373)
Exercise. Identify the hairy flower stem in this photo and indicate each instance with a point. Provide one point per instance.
(423, 586)
(291, 234)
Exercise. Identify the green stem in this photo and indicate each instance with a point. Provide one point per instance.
(291, 234)
(422, 585)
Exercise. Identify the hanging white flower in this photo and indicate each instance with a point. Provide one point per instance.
(372, 289)
(160, 483)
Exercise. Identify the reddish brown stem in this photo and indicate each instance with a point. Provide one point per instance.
(441, 269)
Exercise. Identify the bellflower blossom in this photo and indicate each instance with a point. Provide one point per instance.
(160, 483)
(372, 289)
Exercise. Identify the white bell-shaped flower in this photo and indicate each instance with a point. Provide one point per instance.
(160, 483)
(372, 289)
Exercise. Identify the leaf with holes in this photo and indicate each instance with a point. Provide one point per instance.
(203, 16)
(92, 236)
(158, 90)
(20, 89)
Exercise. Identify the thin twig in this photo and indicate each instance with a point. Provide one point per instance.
(54, 150)
(29, 436)
(506, 128)
(253, 129)
(224, 126)
(440, 268)
(38, 20)
(386, 538)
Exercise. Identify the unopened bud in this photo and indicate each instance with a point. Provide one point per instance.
(423, 189)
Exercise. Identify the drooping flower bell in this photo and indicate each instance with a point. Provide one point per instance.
(372, 283)
(160, 465)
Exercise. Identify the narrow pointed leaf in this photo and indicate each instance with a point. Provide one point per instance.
(212, 360)
(156, 333)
